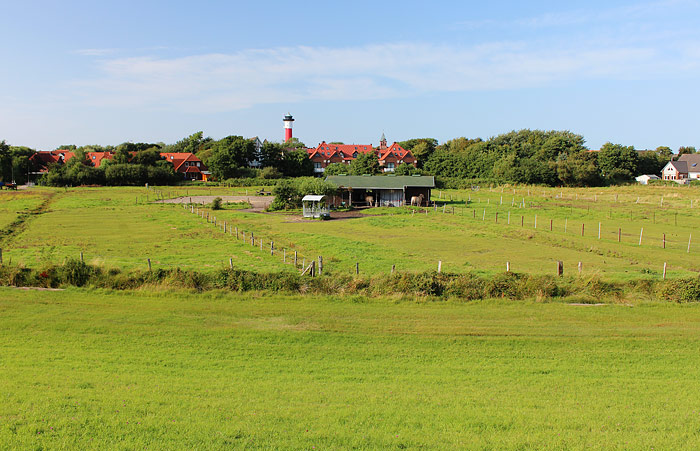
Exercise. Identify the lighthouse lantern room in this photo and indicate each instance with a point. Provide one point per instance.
(288, 120)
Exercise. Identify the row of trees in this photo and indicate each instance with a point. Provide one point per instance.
(524, 156)
(536, 157)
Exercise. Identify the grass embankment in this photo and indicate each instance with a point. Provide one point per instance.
(100, 370)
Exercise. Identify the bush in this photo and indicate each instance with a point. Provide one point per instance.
(216, 203)
(681, 290)
(270, 173)
(76, 272)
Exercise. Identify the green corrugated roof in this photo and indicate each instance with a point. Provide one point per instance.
(382, 181)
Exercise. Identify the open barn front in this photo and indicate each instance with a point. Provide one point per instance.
(382, 191)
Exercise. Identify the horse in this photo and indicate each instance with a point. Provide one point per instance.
(369, 200)
(417, 200)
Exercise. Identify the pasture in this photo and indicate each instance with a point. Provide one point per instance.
(178, 370)
(470, 231)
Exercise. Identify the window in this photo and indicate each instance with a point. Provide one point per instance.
(317, 165)
(354, 155)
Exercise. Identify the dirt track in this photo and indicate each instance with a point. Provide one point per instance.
(259, 203)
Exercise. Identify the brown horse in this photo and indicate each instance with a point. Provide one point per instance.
(369, 200)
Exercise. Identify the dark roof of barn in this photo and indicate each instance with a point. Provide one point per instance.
(382, 181)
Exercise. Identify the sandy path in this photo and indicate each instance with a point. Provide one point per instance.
(259, 203)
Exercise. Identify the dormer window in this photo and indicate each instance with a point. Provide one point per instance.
(354, 155)
(172, 157)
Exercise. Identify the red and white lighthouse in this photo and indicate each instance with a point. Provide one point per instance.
(288, 120)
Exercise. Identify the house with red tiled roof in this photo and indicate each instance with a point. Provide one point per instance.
(95, 158)
(43, 160)
(389, 156)
(188, 164)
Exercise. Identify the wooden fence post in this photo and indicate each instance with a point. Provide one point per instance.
(583, 228)
(393, 269)
(320, 265)
(439, 266)
(566, 224)
(641, 232)
(689, 237)
(1, 254)
(664, 276)
(272, 248)
(230, 263)
(664, 241)
(295, 259)
(580, 267)
(507, 266)
(81, 256)
(535, 221)
(357, 268)
(496, 217)
(149, 263)
(560, 268)
(598, 230)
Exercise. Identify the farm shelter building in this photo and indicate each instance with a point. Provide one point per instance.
(386, 190)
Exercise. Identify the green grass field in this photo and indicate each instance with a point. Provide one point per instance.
(175, 370)
(122, 227)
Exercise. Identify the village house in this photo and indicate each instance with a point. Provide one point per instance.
(687, 167)
(389, 156)
(186, 163)
(41, 161)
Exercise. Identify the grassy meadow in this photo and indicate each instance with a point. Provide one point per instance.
(529, 227)
(178, 370)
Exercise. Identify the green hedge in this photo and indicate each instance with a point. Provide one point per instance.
(465, 287)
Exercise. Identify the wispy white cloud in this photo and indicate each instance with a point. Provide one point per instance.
(221, 82)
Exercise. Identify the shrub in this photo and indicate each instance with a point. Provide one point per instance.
(505, 285)
(216, 203)
(681, 290)
(76, 272)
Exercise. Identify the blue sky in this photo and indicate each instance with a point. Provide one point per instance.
(108, 72)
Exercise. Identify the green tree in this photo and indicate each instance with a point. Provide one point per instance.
(230, 156)
(421, 148)
(579, 169)
(407, 169)
(296, 163)
(194, 143)
(664, 152)
(617, 162)
(287, 196)
(271, 154)
(365, 163)
(336, 169)
(5, 162)
(684, 150)
(147, 157)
